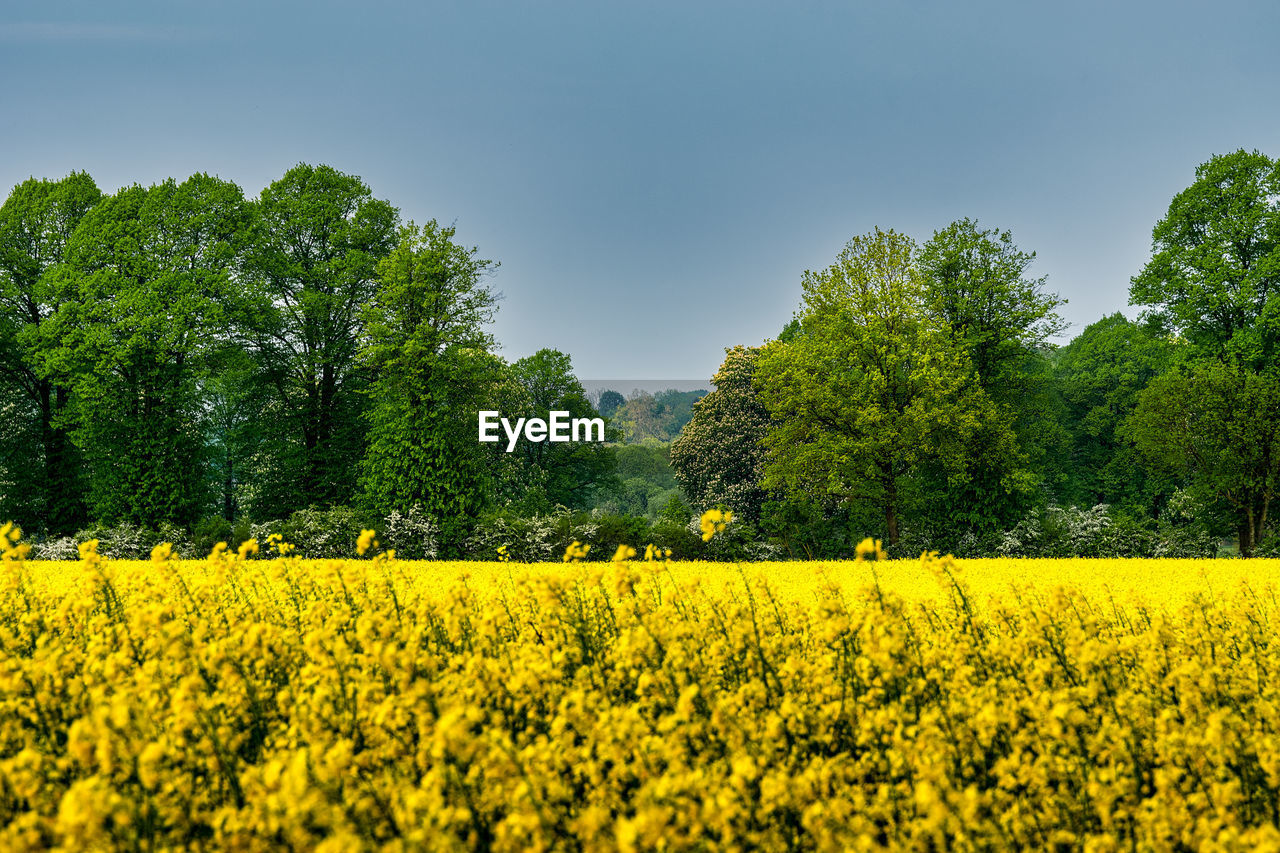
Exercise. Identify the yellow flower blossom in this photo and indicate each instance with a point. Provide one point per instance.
(870, 549)
(714, 521)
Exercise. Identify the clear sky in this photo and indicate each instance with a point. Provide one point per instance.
(654, 177)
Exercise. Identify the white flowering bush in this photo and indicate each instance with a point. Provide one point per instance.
(1057, 532)
(1074, 532)
(315, 533)
(413, 536)
(62, 548)
(126, 541)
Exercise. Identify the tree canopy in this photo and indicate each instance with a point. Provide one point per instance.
(425, 343)
(316, 264)
(718, 458)
(874, 386)
(1219, 424)
(36, 224)
(143, 301)
(977, 281)
(1099, 376)
(1214, 274)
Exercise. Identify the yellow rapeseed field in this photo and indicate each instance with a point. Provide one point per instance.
(267, 704)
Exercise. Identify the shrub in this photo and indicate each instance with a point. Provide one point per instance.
(316, 533)
(413, 536)
(209, 532)
(62, 548)
(126, 541)
(1055, 531)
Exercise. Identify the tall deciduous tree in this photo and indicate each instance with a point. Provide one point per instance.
(1218, 424)
(426, 345)
(979, 283)
(43, 468)
(874, 385)
(719, 457)
(324, 235)
(144, 301)
(1214, 274)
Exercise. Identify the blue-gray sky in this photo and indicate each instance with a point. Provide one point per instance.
(654, 177)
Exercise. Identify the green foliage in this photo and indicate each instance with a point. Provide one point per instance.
(556, 474)
(659, 417)
(976, 280)
(610, 402)
(317, 533)
(718, 458)
(425, 345)
(1214, 275)
(538, 538)
(650, 460)
(1219, 426)
(211, 530)
(315, 265)
(644, 481)
(874, 387)
(143, 302)
(675, 510)
(818, 528)
(36, 223)
(22, 495)
(1099, 376)
(176, 353)
(1213, 281)
(236, 428)
(544, 537)
(1058, 532)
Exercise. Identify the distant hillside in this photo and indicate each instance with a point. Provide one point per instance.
(643, 415)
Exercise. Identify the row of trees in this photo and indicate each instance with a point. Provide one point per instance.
(178, 350)
(917, 385)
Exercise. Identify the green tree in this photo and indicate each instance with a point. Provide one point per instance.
(1214, 274)
(144, 300)
(874, 386)
(1099, 375)
(978, 282)
(658, 416)
(324, 236)
(719, 458)
(645, 482)
(43, 468)
(571, 473)
(1219, 425)
(610, 402)
(425, 343)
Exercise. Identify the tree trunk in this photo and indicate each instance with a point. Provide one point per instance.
(1248, 533)
(228, 491)
(310, 443)
(1253, 526)
(891, 511)
(64, 502)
